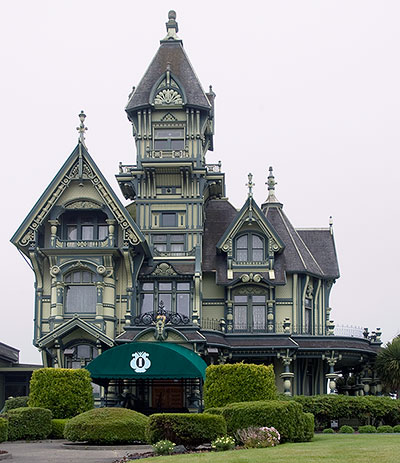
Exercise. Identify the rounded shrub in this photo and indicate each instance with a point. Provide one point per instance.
(367, 429)
(396, 428)
(107, 426)
(238, 382)
(15, 402)
(57, 428)
(28, 423)
(286, 416)
(385, 428)
(345, 429)
(328, 431)
(64, 391)
(189, 429)
(3, 429)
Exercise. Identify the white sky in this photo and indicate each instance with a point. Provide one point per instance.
(310, 87)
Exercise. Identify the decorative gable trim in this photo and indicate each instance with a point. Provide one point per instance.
(167, 91)
(71, 325)
(250, 212)
(79, 166)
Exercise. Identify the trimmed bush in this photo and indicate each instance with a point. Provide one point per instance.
(286, 416)
(3, 429)
(107, 426)
(65, 392)
(384, 429)
(238, 382)
(57, 428)
(367, 409)
(328, 431)
(346, 429)
(187, 429)
(28, 423)
(15, 402)
(367, 429)
(396, 428)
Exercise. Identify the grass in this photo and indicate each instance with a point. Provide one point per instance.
(324, 448)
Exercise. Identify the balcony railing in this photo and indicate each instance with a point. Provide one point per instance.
(158, 253)
(83, 243)
(214, 168)
(168, 154)
(281, 328)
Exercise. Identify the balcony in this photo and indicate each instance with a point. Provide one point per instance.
(81, 244)
(158, 253)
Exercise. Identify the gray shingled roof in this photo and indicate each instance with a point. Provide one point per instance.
(298, 257)
(171, 53)
(321, 243)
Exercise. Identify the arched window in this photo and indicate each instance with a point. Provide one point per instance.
(80, 292)
(249, 248)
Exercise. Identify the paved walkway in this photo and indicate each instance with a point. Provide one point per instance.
(58, 451)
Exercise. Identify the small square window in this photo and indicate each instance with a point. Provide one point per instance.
(168, 219)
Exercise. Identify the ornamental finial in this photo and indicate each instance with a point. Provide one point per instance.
(172, 27)
(331, 225)
(271, 190)
(250, 185)
(82, 128)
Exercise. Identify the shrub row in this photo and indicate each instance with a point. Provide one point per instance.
(107, 426)
(238, 382)
(185, 428)
(28, 423)
(367, 409)
(65, 392)
(3, 429)
(286, 416)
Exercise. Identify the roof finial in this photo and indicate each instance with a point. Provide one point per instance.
(250, 185)
(331, 225)
(172, 27)
(271, 190)
(82, 129)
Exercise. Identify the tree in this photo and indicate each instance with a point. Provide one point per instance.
(388, 366)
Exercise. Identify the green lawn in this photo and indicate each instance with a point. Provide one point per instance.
(337, 448)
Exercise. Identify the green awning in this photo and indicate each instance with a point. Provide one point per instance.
(147, 360)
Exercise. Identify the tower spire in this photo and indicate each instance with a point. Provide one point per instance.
(272, 199)
(250, 185)
(172, 27)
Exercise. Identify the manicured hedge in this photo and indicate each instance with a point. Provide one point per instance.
(286, 416)
(28, 423)
(345, 429)
(367, 429)
(64, 391)
(107, 426)
(187, 429)
(367, 409)
(384, 428)
(3, 429)
(15, 402)
(238, 382)
(57, 428)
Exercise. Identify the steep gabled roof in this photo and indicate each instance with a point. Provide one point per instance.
(172, 56)
(322, 245)
(298, 257)
(79, 165)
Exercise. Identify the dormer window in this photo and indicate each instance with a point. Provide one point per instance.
(169, 139)
(249, 248)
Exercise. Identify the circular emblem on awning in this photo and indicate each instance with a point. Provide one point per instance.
(140, 362)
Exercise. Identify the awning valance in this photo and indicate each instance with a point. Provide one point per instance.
(147, 360)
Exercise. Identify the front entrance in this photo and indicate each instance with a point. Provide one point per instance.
(167, 394)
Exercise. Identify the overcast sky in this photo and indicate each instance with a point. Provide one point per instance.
(309, 87)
